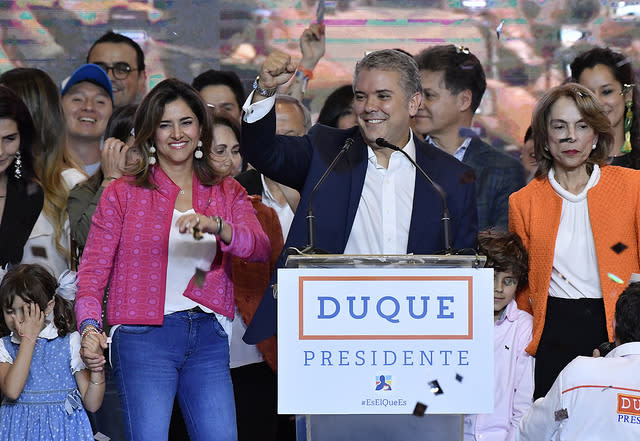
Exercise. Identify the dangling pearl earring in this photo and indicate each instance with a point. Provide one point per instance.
(152, 157)
(595, 144)
(198, 153)
(17, 171)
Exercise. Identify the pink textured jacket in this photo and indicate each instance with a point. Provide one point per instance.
(128, 244)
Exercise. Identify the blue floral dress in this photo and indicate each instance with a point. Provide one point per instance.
(50, 406)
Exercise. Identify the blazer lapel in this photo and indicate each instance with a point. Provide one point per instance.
(357, 159)
(425, 201)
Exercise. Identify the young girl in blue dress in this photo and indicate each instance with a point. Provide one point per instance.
(42, 377)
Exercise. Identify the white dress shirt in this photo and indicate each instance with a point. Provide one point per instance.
(383, 218)
(460, 151)
(284, 211)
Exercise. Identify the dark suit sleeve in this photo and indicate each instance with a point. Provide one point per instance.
(285, 159)
(512, 181)
(465, 234)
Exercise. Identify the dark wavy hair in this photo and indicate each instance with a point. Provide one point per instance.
(620, 67)
(336, 105)
(33, 283)
(12, 107)
(628, 314)
(505, 253)
(147, 120)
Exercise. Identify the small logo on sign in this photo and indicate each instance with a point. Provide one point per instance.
(383, 382)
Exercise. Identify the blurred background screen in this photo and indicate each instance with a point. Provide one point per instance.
(525, 46)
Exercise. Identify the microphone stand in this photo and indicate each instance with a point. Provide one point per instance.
(311, 219)
(446, 217)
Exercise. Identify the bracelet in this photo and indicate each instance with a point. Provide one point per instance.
(308, 74)
(98, 383)
(89, 330)
(218, 220)
(90, 322)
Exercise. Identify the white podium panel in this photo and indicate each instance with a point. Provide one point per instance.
(379, 340)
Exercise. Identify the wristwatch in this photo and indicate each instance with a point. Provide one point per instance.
(263, 92)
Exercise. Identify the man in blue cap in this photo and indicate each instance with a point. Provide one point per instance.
(87, 102)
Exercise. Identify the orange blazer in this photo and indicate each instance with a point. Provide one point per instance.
(534, 214)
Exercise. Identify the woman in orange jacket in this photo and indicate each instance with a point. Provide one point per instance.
(579, 220)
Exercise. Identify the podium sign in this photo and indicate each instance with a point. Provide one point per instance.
(379, 340)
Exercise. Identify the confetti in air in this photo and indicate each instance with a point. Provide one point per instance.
(619, 247)
(615, 278)
(419, 409)
(435, 387)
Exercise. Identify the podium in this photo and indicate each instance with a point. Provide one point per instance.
(395, 349)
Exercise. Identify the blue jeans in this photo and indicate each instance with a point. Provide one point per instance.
(187, 355)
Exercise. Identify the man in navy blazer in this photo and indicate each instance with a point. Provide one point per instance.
(453, 82)
(352, 206)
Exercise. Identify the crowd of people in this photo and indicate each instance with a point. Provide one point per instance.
(140, 241)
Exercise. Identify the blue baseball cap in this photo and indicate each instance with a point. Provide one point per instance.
(88, 72)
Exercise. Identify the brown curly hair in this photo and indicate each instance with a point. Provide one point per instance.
(506, 253)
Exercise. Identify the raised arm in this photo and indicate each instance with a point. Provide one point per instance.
(276, 70)
(312, 46)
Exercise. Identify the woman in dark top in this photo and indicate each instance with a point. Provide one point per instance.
(21, 198)
(610, 76)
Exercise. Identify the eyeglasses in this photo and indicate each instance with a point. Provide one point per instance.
(120, 70)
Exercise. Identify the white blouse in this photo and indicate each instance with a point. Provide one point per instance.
(185, 255)
(575, 273)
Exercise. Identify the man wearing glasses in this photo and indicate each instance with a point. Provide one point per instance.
(123, 60)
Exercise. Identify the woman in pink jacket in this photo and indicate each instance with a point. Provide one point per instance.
(162, 240)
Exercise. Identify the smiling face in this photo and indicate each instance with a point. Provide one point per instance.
(126, 90)
(382, 107)
(9, 143)
(87, 109)
(177, 135)
(565, 121)
(438, 114)
(505, 285)
(603, 84)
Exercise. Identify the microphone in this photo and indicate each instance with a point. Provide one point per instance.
(446, 217)
(311, 219)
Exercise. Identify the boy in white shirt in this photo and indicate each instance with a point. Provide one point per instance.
(513, 369)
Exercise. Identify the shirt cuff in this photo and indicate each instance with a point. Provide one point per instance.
(256, 111)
